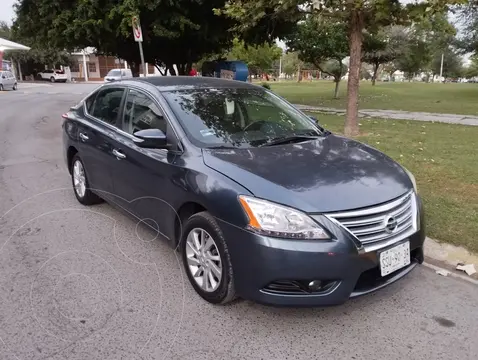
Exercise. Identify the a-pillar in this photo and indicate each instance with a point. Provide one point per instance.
(1, 60)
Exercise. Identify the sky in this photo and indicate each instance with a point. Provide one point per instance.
(6, 12)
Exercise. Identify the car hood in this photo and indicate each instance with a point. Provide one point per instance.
(327, 174)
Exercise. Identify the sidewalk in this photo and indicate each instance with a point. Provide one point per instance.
(400, 115)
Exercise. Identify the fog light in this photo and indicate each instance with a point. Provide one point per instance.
(315, 285)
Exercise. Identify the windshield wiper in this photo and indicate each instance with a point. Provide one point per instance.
(289, 139)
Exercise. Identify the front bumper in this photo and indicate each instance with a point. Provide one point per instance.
(264, 268)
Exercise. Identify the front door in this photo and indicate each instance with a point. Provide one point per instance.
(97, 138)
(144, 177)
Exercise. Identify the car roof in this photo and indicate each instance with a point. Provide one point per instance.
(171, 83)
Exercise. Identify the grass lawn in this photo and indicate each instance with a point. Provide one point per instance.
(444, 160)
(451, 98)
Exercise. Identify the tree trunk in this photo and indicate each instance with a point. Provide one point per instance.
(299, 74)
(336, 92)
(355, 43)
(374, 76)
(134, 68)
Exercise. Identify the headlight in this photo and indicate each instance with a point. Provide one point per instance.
(272, 219)
(412, 179)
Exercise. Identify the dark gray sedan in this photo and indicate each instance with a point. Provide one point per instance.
(260, 200)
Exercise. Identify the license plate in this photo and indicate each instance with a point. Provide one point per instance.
(394, 258)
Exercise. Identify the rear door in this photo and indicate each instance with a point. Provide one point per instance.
(97, 137)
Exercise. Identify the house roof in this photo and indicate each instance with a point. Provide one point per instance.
(10, 45)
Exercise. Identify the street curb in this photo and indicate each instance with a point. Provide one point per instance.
(450, 273)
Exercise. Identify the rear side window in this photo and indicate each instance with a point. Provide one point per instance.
(107, 103)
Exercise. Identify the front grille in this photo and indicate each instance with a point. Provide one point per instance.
(373, 225)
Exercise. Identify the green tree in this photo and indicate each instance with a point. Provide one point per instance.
(36, 58)
(358, 15)
(174, 32)
(323, 44)
(259, 58)
(468, 18)
(291, 63)
(383, 47)
(4, 30)
(472, 69)
(437, 33)
(415, 58)
(452, 64)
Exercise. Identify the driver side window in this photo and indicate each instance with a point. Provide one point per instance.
(107, 105)
(141, 113)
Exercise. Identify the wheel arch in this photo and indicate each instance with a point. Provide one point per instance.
(71, 152)
(184, 212)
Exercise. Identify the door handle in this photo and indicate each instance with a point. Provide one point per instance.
(119, 154)
(84, 137)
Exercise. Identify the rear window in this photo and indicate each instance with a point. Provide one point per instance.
(59, 72)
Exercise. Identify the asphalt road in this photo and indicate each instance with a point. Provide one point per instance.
(89, 283)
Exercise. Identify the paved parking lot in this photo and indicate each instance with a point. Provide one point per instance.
(92, 283)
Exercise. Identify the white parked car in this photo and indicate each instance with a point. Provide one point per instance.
(7, 81)
(118, 75)
(52, 75)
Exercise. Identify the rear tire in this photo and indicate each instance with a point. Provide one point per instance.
(80, 183)
(203, 263)
(1, 87)
(15, 86)
(52, 79)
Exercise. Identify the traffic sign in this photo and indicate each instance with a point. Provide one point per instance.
(137, 33)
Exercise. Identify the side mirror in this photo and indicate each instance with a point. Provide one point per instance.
(151, 139)
(316, 123)
(4, 77)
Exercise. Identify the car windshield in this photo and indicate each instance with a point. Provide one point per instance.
(114, 73)
(238, 117)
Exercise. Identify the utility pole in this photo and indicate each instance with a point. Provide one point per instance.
(280, 66)
(441, 66)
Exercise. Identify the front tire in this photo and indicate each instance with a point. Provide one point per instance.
(206, 259)
(1, 87)
(81, 185)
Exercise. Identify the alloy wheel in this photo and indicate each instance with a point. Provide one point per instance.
(79, 179)
(203, 259)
